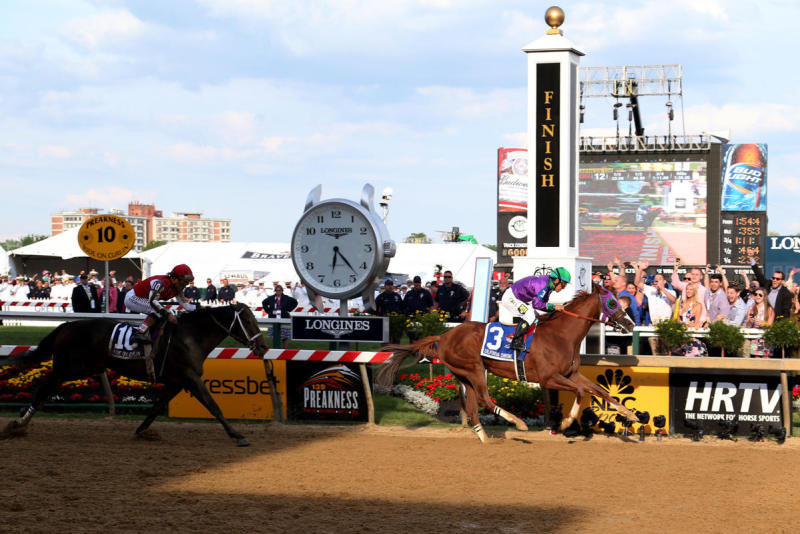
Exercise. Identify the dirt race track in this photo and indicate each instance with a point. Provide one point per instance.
(70, 475)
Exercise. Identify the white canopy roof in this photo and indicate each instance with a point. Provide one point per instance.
(271, 262)
(63, 245)
(3, 261)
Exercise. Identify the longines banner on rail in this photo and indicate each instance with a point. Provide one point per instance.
(333, 328)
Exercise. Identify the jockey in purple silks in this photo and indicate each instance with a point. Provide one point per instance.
(529, 294)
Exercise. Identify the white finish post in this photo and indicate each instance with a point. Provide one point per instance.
(553, 162)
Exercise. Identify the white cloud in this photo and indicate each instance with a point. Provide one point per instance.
(109, 27)
(107, 198)
(466, 102)
(54, 151)
(743, 120)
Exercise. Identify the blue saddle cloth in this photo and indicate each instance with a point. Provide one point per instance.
(497, 342)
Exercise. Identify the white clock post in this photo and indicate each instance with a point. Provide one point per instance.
(340, 250)
(553, 160)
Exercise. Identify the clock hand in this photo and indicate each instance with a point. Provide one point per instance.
(345, 259)
(335, 252)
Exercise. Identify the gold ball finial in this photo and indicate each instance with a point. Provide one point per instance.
(554, 17)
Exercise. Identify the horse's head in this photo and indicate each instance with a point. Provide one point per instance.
(611, 311)
(244, 329)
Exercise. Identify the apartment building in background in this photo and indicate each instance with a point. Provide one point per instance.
(151, 225)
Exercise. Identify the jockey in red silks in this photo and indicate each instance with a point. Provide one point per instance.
(146, 295)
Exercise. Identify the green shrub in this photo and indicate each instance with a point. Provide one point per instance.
(725, 336)
(783, 333)
(426, 324)
(672, 333)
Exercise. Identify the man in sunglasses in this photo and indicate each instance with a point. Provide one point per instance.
(779, 296)
(530, 294)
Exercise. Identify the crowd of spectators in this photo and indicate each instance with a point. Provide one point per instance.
(700, 297)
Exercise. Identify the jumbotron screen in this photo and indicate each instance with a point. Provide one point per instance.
(646, 210)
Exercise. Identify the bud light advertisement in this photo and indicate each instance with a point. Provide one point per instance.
(744, 177)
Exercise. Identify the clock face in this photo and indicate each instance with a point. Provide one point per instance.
(335, 249)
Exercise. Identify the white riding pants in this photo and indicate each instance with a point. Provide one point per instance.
(511, 306)
(137, 304)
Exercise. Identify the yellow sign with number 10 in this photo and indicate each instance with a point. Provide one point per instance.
(106, 237)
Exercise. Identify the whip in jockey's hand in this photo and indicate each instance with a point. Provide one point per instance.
(146, 295)
(530, 294)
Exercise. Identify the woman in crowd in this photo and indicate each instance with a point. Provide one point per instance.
(692, 310)
(759, 315)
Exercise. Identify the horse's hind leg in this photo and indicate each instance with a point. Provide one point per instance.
(37, 402)
(470, 405)
(198, 389)
(482, 389)
(158, 408)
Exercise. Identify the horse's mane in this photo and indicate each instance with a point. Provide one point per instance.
(580, 296)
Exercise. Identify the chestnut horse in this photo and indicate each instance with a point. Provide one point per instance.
(553, 361)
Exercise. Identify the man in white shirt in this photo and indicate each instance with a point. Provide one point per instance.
(660, 299)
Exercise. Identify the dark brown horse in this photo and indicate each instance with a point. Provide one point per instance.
(553, 361)
(81, 348)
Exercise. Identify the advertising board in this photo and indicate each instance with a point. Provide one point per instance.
(643, 389)
(239, 387)
(718, 400)
(322, 391)
(358, 328)
(783, 253)
(742, 234)
(744, 177)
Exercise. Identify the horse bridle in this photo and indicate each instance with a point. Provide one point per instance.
(609, 304)
(251, 341)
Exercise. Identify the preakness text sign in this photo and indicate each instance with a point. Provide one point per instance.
(332, 328)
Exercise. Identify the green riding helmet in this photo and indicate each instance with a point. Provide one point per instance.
(560, 273)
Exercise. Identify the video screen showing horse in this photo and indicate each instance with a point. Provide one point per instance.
(643, 210)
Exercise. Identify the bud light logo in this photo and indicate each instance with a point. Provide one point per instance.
(744, 177)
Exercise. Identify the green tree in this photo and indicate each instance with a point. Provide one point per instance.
(153, 244)
(11, 244)
(490, 247)
(418, 237)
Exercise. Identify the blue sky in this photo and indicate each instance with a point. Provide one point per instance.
(238, 108)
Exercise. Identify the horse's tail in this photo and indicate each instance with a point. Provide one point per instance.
(42, 352)
(419, 349)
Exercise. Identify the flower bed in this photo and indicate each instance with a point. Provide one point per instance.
(523, 401)
(18, 386)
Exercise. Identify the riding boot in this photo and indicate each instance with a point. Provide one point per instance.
(140, 335)
(518, 341)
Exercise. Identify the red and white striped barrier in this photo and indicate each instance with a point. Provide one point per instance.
(35, 303)
(346, 356)
(9, 350)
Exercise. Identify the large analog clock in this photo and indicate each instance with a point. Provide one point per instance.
(340, 248)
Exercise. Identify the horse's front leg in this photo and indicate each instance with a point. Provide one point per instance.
(557, 381)
(198, 389)
(603, 394)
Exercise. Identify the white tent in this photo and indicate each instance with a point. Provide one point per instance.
(235, 261)
(421, 260)
(63, 245)
(271, 262)
(3, 261)
(62, 252)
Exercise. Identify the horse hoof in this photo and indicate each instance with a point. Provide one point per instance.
(149, 435)
(243, 442)
(523, 427)
(13, 429)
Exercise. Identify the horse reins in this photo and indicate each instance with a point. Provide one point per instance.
(584, 317)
